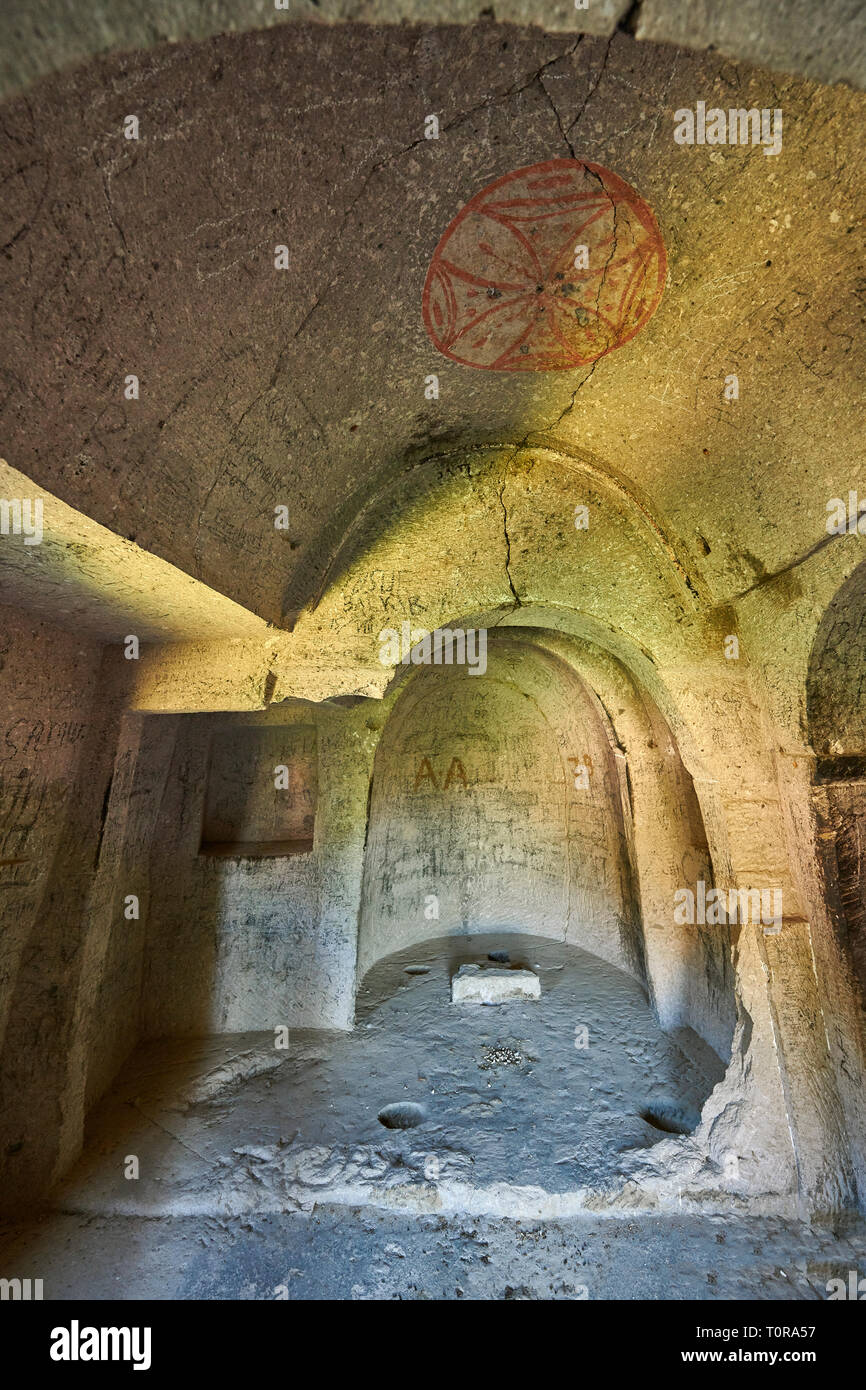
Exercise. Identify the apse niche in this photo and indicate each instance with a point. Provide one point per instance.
(503, 803)
(494, 808)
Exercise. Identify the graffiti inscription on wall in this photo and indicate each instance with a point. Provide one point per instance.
(427, 775)
(33, 753)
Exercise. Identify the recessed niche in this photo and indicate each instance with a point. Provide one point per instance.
(262, 789)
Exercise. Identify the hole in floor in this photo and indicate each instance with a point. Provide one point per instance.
(403, 1114)
(502, 957)
(668, 1118)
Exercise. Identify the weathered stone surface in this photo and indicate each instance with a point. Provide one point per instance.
(826, 42)
(86, 577)
(59, 34)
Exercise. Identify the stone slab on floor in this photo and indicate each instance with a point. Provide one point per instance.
(480, 984)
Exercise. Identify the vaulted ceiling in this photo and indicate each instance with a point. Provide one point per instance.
(304, 387)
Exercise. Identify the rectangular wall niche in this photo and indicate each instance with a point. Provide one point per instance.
(250, 810)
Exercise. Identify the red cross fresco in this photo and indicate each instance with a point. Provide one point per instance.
(547, 268)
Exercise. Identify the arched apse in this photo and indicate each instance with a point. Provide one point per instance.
(546, 795)
(495, 805)
(590, 795)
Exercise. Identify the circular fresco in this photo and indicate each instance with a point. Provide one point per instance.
(547, 268)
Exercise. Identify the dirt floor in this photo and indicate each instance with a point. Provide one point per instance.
(362, 1253)
(519, 1109)
(268, 1173)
